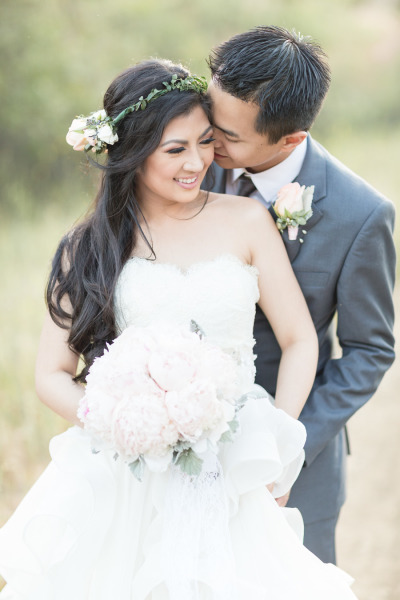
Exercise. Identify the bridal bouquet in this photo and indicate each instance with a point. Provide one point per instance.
(160, 395)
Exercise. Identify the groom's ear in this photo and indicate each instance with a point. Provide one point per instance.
(289, 142)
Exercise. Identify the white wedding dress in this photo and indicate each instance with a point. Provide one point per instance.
(88, 530)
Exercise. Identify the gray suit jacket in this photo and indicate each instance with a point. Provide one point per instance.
(346, 268)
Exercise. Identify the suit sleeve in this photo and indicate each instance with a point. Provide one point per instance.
(365, 317)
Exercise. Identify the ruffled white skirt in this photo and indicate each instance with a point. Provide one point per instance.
(88, 530)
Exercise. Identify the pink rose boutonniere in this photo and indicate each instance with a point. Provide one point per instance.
(293, 207)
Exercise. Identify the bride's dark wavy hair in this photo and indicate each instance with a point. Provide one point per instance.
(90, 258)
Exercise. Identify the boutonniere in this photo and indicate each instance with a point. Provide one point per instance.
(293, 207)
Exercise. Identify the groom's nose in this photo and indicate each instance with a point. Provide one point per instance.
(218, 139)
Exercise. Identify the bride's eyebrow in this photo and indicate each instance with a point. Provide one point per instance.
(186, 141)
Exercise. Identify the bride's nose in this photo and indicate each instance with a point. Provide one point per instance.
(194, 162)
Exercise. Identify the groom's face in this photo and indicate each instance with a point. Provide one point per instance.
(237, 143)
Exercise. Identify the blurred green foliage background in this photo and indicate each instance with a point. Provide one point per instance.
(58, 57)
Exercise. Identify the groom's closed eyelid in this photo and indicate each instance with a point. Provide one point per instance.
(227, 132)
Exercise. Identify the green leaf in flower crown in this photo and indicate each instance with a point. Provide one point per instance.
(137, 468)
(189, 462)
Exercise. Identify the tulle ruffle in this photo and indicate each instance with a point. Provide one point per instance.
(89, 530)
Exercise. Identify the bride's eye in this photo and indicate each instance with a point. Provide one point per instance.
(175, 150)
(208, 141)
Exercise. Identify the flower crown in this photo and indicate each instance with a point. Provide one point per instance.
(98, 130)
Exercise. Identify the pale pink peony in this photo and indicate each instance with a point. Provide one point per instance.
(172, 370)
(194, 409)
(156, 386)
(96, 412)
(141, 425)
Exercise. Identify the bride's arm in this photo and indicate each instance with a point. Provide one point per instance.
(56, 366)
(284, 305)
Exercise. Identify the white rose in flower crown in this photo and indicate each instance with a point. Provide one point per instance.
(293, 207)
(99, 115)
(76, 136)
(79, 124)
(79, 139)
(91, 131)
(105, 134)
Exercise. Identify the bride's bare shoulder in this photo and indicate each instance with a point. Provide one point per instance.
(239, 207)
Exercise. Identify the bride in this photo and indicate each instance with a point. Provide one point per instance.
(156, 247)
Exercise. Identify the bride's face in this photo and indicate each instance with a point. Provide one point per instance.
(174, 172)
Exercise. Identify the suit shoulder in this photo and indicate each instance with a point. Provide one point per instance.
(348, 187)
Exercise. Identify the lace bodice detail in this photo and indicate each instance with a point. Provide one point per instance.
(219, 295)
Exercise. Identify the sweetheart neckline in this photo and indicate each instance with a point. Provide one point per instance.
(194, 266)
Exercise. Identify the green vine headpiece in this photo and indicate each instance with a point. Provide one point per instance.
(98, 130)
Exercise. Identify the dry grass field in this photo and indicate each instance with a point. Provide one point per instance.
(369, 526)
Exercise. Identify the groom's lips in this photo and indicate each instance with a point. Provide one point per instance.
(216, 155)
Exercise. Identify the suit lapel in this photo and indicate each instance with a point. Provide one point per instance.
(313, 172)
(219, 179)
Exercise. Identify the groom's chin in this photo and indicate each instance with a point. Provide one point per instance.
(223, 161)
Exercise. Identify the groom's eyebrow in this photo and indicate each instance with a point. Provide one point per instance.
(227, 131)
(186, 141)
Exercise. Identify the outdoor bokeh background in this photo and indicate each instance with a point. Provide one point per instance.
(58, 57)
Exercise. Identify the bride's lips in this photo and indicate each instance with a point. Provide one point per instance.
(187, 183)
(216, 155)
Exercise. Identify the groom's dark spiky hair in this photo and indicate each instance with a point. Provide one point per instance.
(286, 74)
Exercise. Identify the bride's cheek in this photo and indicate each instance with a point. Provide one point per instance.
(210, 156)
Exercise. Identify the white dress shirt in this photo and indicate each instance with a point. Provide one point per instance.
(269, 182)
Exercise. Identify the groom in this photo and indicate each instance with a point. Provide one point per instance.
(267, 87)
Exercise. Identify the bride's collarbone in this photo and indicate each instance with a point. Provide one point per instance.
(187, 242)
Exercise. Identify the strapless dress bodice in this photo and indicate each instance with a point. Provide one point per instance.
(219, 295)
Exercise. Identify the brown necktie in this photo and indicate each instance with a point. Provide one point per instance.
(246, 186)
